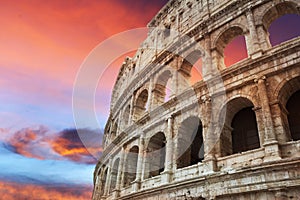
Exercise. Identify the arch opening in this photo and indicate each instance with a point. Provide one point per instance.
(190, 144)
(114, 175)
(126, 115)
(131, 166)
(245, 133)
(240, 131)
(140, 104)
(293, 108)
(282, 22)
(155, 157)
(114, 131)
(191, 68)
(103, 181)
(231, 47)
(99, 182)
(284, 28)
(163, 88)
(235, 51)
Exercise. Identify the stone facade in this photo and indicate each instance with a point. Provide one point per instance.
(231, 135)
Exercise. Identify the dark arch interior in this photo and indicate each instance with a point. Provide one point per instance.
(293, 107)
(156, 154)
(244, 134)
(114, 174)
(103, 181)
(131, 166)
(190, 144)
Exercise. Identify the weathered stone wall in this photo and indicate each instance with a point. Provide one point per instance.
(141, 115)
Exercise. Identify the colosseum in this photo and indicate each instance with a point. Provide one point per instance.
(232, 134)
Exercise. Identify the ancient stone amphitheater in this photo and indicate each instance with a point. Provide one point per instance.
(232, 134)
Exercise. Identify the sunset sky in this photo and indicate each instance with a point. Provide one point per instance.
(43, 45)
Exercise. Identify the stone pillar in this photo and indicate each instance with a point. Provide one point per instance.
(131, 108)
(119, 175)
(207, 68)
(108, 177)
(210, 147)
(167, 174)
(272, 151)
(150, 96)
(217, 59)
(254, 49)
(125, 155)
(175, 147)
(139, 169)
(281, 124)
(119, 123)
(263, 37)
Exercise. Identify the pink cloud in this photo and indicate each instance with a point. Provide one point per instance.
(12, 191)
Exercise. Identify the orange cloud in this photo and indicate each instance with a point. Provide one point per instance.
(41, 143)
(78, 145)
(30, 142)
(13, 191)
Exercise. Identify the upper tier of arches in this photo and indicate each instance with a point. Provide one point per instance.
(199, 60)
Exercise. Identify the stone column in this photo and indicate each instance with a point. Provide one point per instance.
(150, 95)
(119, 175)
(272, 151)
(280, 116)
(125, 155)
(119, 123)
(217, 60)
(211, 135)
(108, 177)
(254, 49)
(131, 108)
(207, 70)
(139, 169)
(263, 37)
(167, 174)
(175, 148)
(211, 147)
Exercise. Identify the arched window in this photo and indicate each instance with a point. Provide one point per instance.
(161, 92)
(293, 108)
(283, 22)
(126, 115)
(284, 28)
(131, 166)
(240, 132)
(230, 47)
(114, 174)
(244, 131)
(190, 142)
(191, 69)
(235, 51)
(155, 158)
(103, 181)
(99, 183)
(140, 104)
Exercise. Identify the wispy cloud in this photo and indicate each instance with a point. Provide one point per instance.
(13, 191)
(81, 146)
